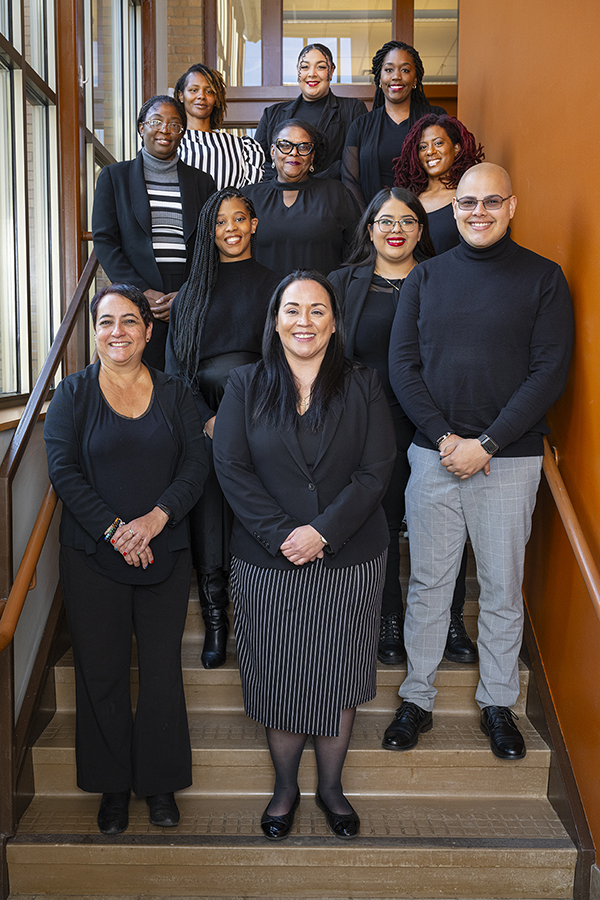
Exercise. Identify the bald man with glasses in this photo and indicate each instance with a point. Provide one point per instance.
(479, 351)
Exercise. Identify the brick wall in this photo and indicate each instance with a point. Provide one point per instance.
(185, 36)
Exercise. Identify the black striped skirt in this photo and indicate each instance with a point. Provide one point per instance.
(306, 641)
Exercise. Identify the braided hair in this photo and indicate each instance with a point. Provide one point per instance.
(407, 167)
(417, 92)
(215, 81)
(193, 299)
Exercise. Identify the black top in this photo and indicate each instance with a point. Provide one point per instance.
(337, 114)
(235, 318)
(443, 230)
(309, 440)
(313, 233)
(115, 441)
(390, 144)
(360, 160)
(481, 342)
(311, 110)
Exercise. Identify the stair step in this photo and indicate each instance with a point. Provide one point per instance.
(418, 848)
(230, 758)
(220, 689)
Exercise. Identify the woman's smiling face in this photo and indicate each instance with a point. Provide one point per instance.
(397, 245)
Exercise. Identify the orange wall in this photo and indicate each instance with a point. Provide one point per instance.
(528, 75)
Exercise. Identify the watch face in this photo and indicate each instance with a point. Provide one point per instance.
(489, 445)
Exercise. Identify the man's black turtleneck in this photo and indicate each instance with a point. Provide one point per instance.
(481, 343)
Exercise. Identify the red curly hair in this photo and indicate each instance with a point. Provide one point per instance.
(407, 167)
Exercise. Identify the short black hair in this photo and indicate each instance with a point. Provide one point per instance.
(317, 138)
(161, 98)
(130, 292)
(322, 48)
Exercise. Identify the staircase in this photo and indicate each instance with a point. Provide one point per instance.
(444, 820)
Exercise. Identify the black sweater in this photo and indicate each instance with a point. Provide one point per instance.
(481, 342)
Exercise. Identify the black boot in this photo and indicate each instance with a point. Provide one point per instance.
(390, 649)
(459, 646)
(213, 603)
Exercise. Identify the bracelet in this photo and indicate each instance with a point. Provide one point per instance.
(165, 509)
(324, 542)
(112, 528)
(442, 439)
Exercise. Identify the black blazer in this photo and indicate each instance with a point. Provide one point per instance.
(336, 118)
(122, 222)
(69, 422)
(352, 284)
(271, 490)
(360, 159)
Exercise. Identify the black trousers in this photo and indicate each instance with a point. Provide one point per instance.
(153, 754)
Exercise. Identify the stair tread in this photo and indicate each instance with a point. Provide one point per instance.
(516, 822)
(454, 740)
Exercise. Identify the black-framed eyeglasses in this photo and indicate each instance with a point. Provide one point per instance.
(386, 224)
(158, 125)
(304, 148)
(468, 204)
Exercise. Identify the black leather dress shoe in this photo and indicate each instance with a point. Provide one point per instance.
(390, 649)
(506, 741)
(343, 825)
(459, 646)
(113, 815)
(163, 810)
(277, 828)
(403, 733)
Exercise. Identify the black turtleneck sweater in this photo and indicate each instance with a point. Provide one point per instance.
(481, 342)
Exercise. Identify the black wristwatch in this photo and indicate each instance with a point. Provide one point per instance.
(488, 444)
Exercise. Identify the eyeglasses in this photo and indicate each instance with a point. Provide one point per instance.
(159, 125)
(304, 148)
(386, 225)
(468, 204)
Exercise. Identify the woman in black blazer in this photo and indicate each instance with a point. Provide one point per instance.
(375, 140)
(120, 496)
(151, 246)
(317, 105)
(390, 239)
(304, 448)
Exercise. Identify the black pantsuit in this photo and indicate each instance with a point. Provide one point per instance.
(153, 754)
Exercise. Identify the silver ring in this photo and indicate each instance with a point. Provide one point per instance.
(132, 531)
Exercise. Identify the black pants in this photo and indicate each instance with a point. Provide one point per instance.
(152, 755)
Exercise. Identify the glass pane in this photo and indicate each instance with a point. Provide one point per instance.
(5, 18)
(40, 259)
(34, 35)
(436, 39)
(8, 308)
(238, 42)
(352, 29)
(107, 74)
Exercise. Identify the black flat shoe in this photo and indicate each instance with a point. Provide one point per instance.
(343, 826)
(459, 646)
(390, 649)
(163, 810)
(506, 741)
(113, 815)
(277, 828)
(403, 733)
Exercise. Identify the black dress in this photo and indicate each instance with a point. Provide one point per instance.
(313, 233)
(231, 336)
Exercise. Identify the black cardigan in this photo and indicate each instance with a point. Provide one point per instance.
(122, 222)
(336, 118)
(69, 422)
(360, 161)
(267, 483)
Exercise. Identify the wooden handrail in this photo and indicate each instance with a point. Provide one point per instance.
(29, 418)
(566, 511)
(18, 593)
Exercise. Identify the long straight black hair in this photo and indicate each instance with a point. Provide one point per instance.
(362, 249)
(274, 393)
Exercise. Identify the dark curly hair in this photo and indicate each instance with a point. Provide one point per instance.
(130, 292)
(417, 92)
(154, 101)
(216, 82)
(194, 297)
(317, 138)
(362, 250)
(407, 167)
(325, 51)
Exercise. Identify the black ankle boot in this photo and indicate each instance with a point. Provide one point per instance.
(459, 646)
(213, 603)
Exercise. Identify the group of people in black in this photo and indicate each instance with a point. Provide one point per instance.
(246, 417)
